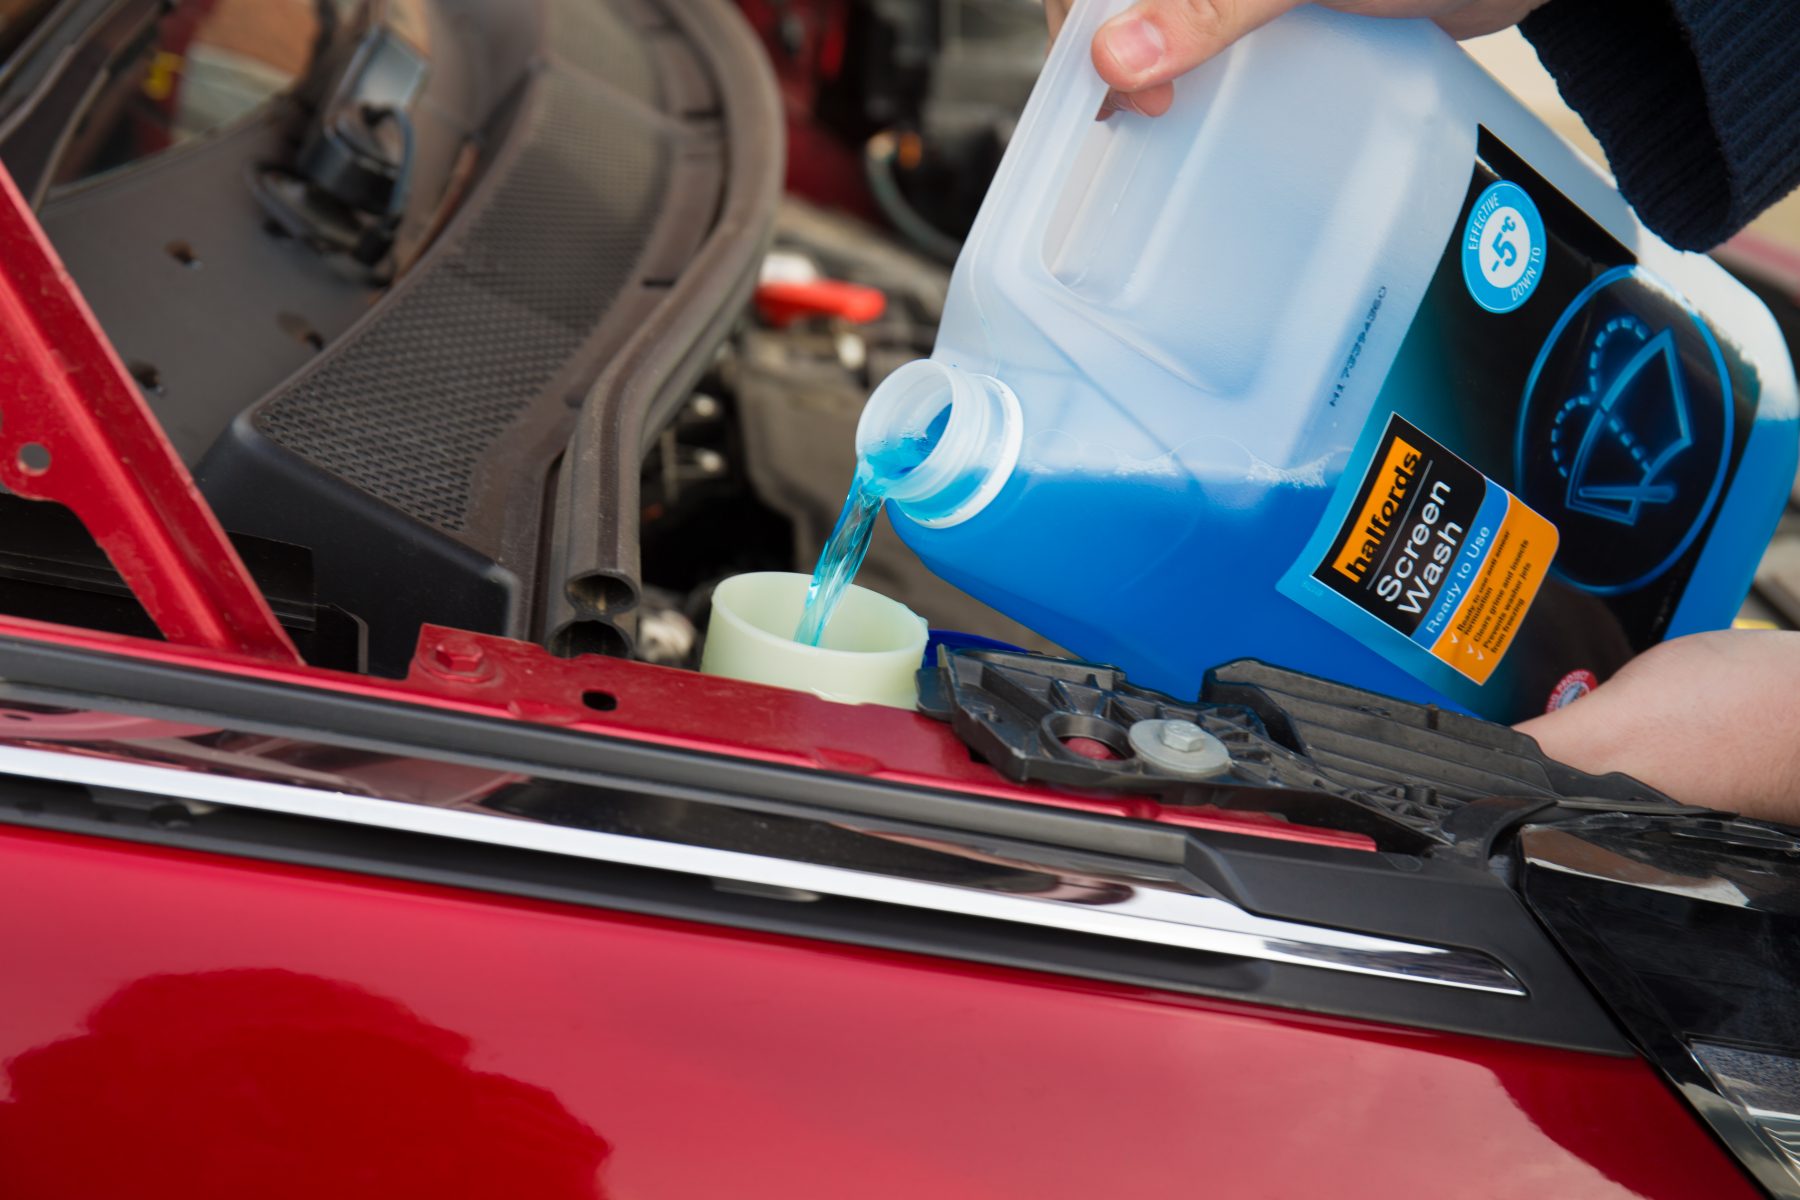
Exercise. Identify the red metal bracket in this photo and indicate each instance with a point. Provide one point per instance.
(74, 429)
(479, 674)
(748, 720)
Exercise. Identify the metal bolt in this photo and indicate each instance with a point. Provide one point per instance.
(1183, 735)
(1179, 748)
(458, 656)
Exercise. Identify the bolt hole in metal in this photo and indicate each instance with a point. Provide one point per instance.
(1087, 737)
(34, 458)
(600, 701)
(184, 254)
(148, 377)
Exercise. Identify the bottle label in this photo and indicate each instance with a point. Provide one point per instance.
(1437, 551)
(1544, 465)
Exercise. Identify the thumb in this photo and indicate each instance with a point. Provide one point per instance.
(1155, 40)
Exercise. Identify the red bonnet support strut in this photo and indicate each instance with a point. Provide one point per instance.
(74, 429)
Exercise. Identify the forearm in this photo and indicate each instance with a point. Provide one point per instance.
(1696, 102)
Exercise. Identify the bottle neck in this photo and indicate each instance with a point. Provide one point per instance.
(942, 441)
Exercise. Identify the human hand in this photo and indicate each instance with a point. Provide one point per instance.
(1711, 719)
(1140, 51)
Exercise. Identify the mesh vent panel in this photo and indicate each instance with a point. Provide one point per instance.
(406, 409)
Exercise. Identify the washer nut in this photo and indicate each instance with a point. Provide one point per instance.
(1180, 748)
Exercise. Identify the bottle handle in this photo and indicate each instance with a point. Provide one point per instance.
(1035, 185)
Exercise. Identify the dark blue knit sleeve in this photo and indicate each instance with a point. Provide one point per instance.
(1696, 102)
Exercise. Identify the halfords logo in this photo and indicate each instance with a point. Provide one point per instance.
(1386, 501)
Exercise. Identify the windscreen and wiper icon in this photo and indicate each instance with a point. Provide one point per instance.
(1615, 442)
(1625, 438)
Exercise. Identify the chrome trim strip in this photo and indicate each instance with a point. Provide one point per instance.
(1133, 912)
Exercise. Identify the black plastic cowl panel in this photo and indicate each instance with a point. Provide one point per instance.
(1414, 777)
(417, 455)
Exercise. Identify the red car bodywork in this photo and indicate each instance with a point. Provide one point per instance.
(180, 1024)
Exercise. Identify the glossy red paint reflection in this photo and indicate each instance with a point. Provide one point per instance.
(268, 1083)
(183, 1025)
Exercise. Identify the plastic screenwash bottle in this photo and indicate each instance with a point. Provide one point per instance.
(1347, 363)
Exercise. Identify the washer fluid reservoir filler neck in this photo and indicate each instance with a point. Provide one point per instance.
(943, 440)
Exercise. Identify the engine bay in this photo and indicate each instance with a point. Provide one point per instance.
(452, 321)
(489, 325)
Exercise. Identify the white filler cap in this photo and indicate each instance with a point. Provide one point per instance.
(869, 654)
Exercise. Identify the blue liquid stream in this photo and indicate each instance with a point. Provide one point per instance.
(848, 544)
(843, 555)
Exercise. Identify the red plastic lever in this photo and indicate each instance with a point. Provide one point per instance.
(74, 429)
(781, 303)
